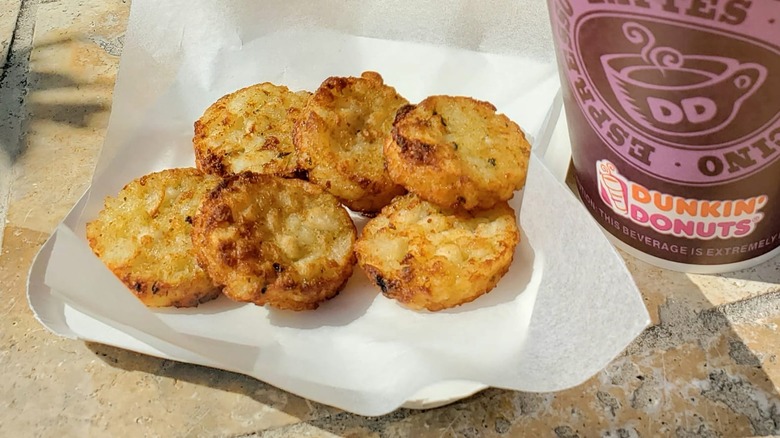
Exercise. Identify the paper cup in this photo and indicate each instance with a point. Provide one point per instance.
(673, 110)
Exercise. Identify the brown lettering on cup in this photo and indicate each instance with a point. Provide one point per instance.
(671, 104)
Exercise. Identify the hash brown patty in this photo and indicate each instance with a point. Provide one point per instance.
(285, 243)
(143, 235)
(457, 152)
(429, 257)
(340, 137)
(250, 129)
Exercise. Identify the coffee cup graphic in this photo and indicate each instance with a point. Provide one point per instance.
(667, 92)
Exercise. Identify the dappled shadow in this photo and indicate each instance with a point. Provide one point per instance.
(688, 374)
(18, 86)
(213, 378)
(74, 115)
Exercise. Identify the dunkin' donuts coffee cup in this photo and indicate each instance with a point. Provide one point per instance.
(673, 109)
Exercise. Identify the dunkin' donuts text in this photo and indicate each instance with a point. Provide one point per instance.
(676, 215)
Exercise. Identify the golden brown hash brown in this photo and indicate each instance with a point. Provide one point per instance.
(144, 236)
(457, 152)
(429, 257)
(250, 129)
(340, 138)
(268, 240)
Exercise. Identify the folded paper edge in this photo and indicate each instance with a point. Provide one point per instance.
(42, 258)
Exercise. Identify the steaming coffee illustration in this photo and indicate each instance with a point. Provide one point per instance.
(667, 92)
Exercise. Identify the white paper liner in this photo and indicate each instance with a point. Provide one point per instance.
(564, 310)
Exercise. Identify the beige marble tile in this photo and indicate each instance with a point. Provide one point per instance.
(73, 65)
(760, 344)
(54, 386)
(656, 284)
(9, 13)
(707, 367)
(5, 190)
(700, 371)
(305, 430)
(736, 286)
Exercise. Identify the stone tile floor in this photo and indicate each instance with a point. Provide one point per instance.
(707, 367)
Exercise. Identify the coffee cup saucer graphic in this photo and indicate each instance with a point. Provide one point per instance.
(669, 93)
(701, 96)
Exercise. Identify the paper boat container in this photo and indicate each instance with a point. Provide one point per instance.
(566, 307)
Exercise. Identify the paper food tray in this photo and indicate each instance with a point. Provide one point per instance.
(564, 310)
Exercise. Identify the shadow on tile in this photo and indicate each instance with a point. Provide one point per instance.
(690, 374)
(15, 85)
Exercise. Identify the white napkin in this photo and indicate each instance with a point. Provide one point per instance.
(564, 310)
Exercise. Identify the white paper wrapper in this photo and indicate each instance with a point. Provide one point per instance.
(564, 310)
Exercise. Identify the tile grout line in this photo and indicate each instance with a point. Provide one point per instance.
(13, 95)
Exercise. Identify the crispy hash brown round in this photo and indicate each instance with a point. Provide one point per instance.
(143, 236)
(250, 129)
(428, 257)
(340, 136)
(457, 152)
(268, 240)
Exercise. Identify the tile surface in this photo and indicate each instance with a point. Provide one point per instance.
(9, 14)
(73, 63)
(707, 366)
(54, 386)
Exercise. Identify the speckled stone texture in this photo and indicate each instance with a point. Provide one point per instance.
(707, 367)
(9, 13)
(9, 101)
